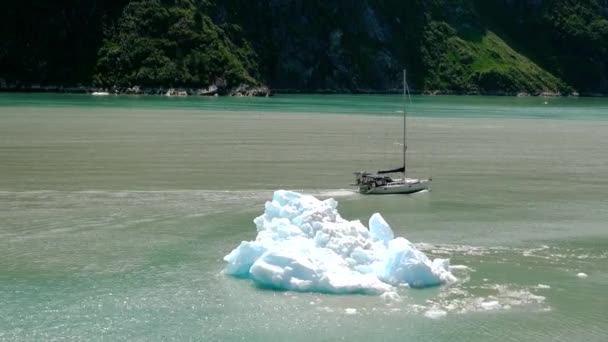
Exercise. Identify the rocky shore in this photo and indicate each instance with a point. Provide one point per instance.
(435, 92)
(212, 90)
(255, 91)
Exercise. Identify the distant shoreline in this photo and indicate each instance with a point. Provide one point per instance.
(438, 93)
(212, 90)
(264, 91)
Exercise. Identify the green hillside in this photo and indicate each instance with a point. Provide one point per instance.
(484, 64)
(448, 46)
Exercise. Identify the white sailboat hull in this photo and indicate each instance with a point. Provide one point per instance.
(397, 186)
(380, 183)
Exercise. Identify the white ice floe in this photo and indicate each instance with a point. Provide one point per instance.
(435, 313)
(582, 275)
(350, 311)
(491, 305)
(303, 244)
(456, 300)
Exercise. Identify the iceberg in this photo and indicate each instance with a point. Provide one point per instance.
(303, 244)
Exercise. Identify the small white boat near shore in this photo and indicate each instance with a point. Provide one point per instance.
(100, 93)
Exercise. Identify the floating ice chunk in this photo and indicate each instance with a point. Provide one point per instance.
(435, 313)
(543, 286)
(379, 229)
(303, 244)
(242, 258)
(407, 265)
(582, 275)
(391, 297)
(350, 311)
(462, 268)
(491, 305)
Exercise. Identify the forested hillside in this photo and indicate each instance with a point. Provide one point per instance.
(460, 46)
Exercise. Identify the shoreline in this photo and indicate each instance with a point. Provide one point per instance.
(212, 90)
(265, 91)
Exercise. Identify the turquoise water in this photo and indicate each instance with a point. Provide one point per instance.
(115, 214)
(424, 106)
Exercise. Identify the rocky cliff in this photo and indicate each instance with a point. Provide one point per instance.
(447, 46)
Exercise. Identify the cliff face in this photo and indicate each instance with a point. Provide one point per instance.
(569, 38)
(464, 46)
(319, 45)
(362, 46)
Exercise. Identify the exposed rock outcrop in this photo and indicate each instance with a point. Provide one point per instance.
(247, 90)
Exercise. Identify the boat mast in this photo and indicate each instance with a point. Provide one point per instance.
(404, 127)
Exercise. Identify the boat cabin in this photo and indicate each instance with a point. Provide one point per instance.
(365, 178)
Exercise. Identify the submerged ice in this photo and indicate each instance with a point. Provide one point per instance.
(303, 244)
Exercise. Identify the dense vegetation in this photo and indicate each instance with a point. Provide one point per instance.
(567, 37)
(464, 46)
(53, 42)
(156, 43)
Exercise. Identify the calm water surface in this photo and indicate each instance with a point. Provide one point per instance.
(116, 212)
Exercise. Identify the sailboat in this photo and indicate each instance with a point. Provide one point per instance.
(381, 182)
